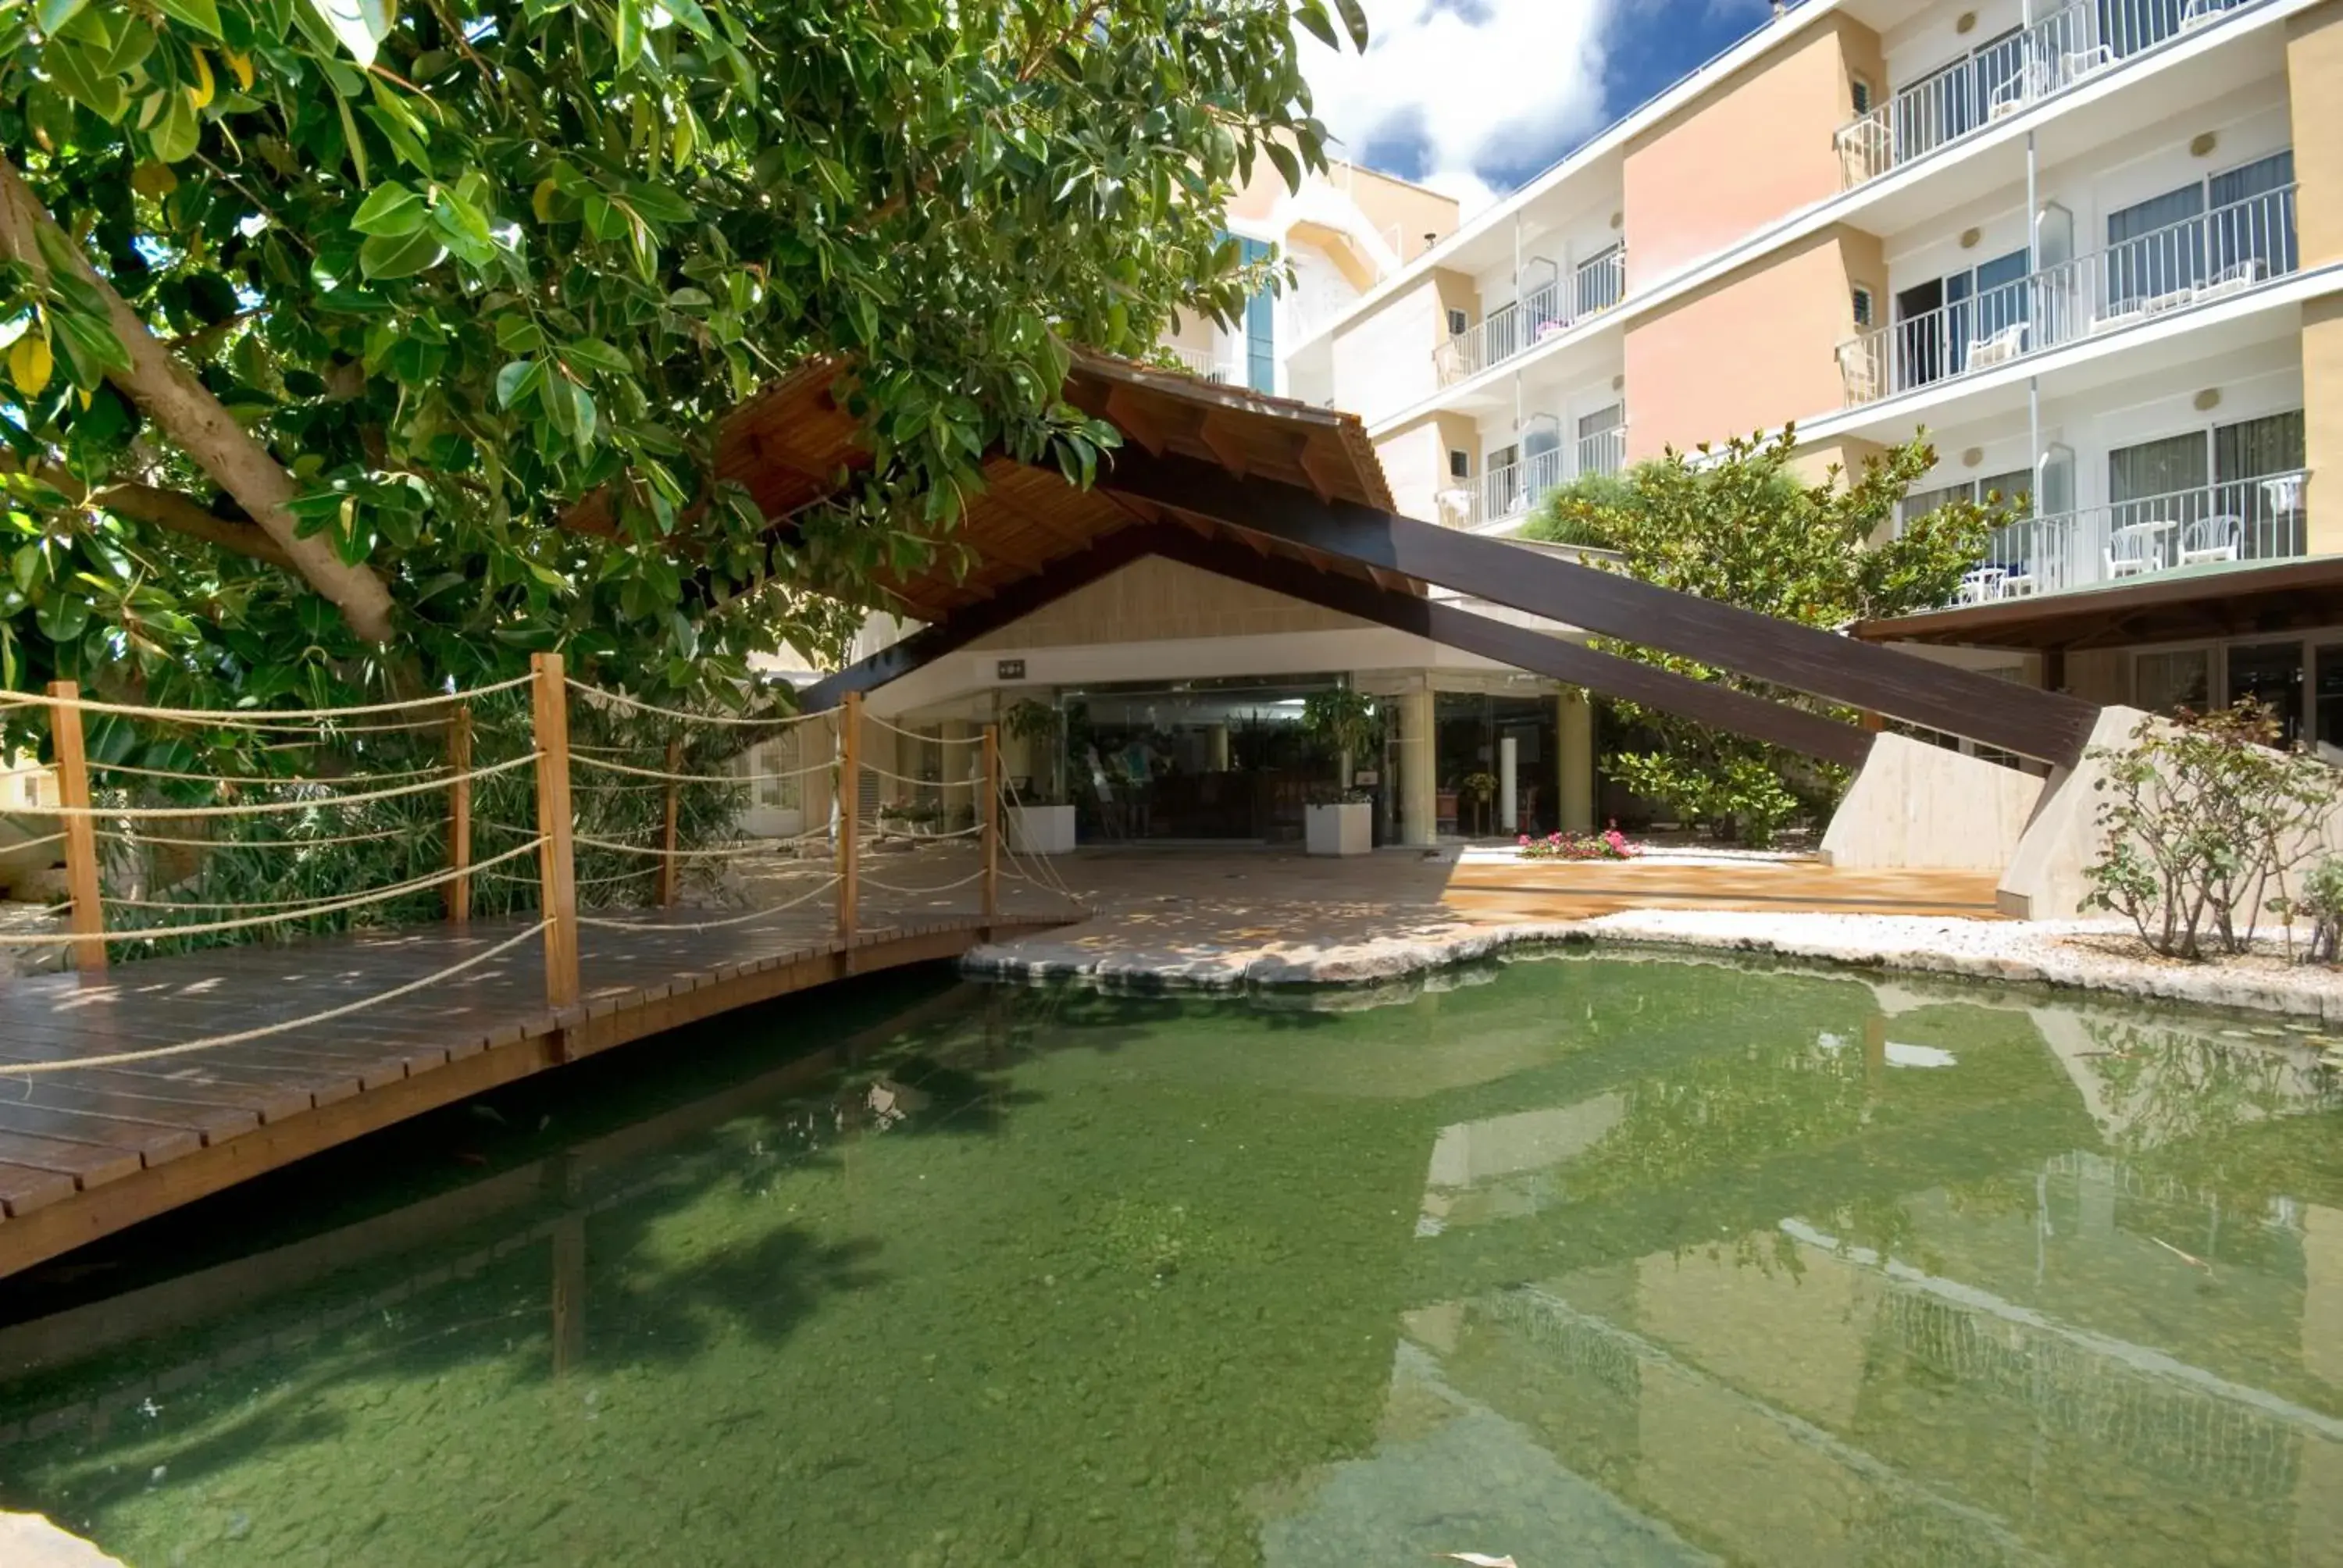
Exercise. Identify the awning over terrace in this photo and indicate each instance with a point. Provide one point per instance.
(1292, 498)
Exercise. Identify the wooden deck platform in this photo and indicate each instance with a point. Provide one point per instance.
(86, 1153)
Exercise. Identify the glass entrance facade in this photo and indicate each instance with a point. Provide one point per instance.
(1470, 754)
(1198, 761)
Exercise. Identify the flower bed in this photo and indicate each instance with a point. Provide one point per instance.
(1608, 845)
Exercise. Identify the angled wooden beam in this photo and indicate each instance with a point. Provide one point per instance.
(1541, 653)
(1218, 441)
(1122, 410)
(1325, 479)
(2049, 725)
(1523, 647)
(1012, 602)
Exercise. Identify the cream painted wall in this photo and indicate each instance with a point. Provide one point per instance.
(1749, 351)
(1155, 600)
(1748, 153)
(2314, 68)
(2322, 418)
(1384, 359)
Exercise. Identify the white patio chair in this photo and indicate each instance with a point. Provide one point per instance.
(2135, 549)
(2218, 539)
(2235, 279)
(1979, 585)
(1998, 347)
(2196, 13)
(2076, 63)
(1858, 368)
(2020, 581)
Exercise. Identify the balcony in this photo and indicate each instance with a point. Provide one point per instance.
(2227, 251)
(1593, 287)
(2261, 519)
(1201, 364)
(2001, 79)
(1513, 490)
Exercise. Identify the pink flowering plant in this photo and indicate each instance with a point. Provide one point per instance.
(1608, 845)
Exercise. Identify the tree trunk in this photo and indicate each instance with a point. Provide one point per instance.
(187, 412)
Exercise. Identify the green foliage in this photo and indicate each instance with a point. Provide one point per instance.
(1347, 724)
(1740, 526)
(2203, 820)
(2322, 901)
(461, 265)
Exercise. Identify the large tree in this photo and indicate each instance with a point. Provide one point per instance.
(323, 315)
(1738, 525)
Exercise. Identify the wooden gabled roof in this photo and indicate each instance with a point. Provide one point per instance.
(787, 445)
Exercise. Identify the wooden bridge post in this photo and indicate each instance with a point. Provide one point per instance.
(991, 821)
(80, 830)
(667, 839)
(556, 863)
(459, 816)
(850, 817)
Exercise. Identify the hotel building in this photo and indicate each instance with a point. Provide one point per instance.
(2095, 250)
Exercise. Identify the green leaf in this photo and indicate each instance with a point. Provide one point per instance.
(175, 133)
(517, 380)
(359, 25)
(630, 32)
(62, 616)
(583, 404)
(1354, 18)
(201, 14)
(91, 347)
(53, 14)
(1311, 13)
(596, 355)
(86, 81)
(689, 12)
(400, 256)
(390, 210)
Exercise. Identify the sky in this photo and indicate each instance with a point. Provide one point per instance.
(1474, 97)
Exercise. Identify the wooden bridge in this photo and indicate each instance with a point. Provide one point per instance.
(129, 1088)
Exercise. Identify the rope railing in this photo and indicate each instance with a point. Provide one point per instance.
(642, 825)
(255, 717)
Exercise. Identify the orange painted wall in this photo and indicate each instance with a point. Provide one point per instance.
(1746, 352)
(1748, 153)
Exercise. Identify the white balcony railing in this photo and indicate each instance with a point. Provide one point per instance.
(2201, 259)
(1201, 364)
(1512, 490)
(1593, 287)
(1603, 452)
(2264, 518)
(2006, 76)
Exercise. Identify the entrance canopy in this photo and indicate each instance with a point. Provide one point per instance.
(1292, 498)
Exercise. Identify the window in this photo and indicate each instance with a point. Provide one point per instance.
(1459, 323)
(2233, 226)
(2236, 486)
(2270, 673)
(2165, 682)
(1460, 463)
(1260, 325)
(1861, 300)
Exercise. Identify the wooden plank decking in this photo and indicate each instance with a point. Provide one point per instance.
(86, 1153)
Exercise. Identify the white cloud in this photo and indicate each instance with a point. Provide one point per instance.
(1484, 87)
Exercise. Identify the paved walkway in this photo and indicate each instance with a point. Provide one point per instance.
(1227, 917)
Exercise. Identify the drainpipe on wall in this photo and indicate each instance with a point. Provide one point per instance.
(2033, 268)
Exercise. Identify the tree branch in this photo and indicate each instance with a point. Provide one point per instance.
(186, 411)
(164, 508)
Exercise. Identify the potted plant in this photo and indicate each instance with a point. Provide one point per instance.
(1044, 822)
(1346, 723)
(1477, 790)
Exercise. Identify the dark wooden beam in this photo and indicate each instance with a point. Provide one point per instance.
(1013, 602)
(1523, 647)
(2049, 725)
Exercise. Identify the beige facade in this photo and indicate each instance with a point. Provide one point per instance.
(1749, 152)
(1156, 600)
(1727, 359)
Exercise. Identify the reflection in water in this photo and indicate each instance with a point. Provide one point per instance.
(1586, 1261)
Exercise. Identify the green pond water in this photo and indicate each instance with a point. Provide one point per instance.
(1579, 1261)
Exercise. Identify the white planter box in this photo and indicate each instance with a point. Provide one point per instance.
(1344, 829)
(1041, 829)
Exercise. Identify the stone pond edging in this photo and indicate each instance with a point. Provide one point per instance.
(2009, 952)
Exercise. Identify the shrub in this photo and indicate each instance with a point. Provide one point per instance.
(2322, 901)
(2204, 818)
(1609, 845)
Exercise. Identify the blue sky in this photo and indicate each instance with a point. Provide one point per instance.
(1474, 97)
